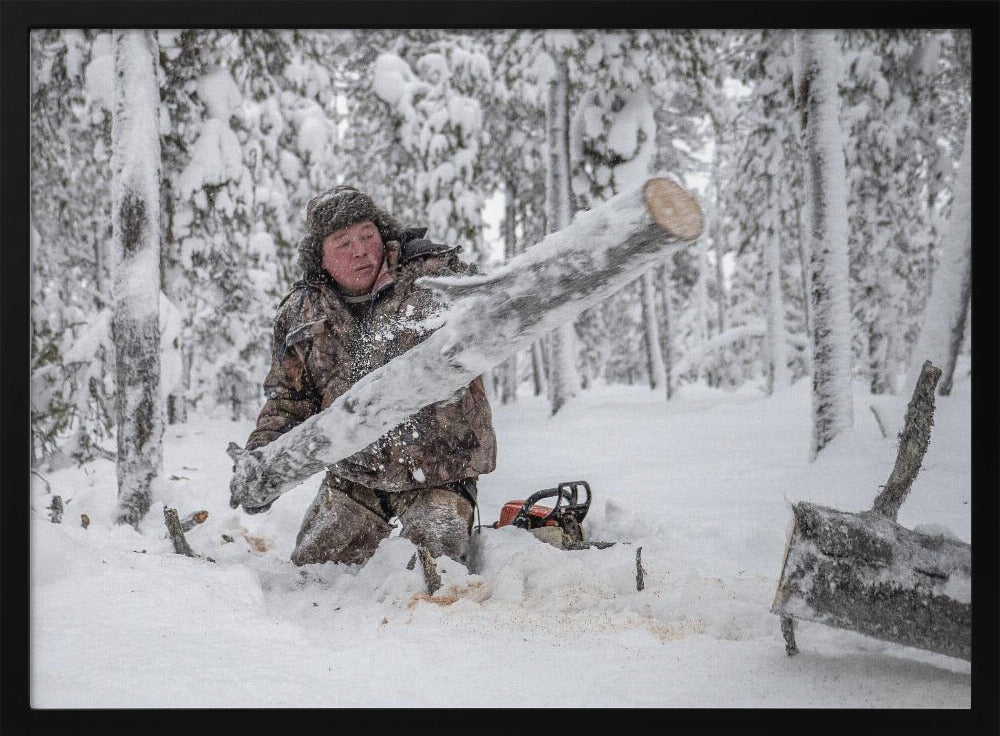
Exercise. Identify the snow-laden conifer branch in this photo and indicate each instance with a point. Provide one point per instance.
(488, 318)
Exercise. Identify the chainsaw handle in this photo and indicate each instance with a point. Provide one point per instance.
(560, 493)
(571, 487)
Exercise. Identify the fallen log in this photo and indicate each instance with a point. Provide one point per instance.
(486, 319)
(866, 573)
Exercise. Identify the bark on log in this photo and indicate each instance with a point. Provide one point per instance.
(489, 318)
(912, 443)
(866, 573)
(173, 523)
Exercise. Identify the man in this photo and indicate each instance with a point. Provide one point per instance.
(356, 309)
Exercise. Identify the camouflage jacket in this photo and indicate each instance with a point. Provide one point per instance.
(320, 349)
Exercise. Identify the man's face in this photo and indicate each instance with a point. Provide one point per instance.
(353, 256)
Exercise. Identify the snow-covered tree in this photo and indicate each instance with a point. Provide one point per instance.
(564, 380)
(890, 230)
(438, 120)
(944, 319)
(72, 403)
(764, 177)
(817, 75)
(613, 139)
(136, 227)
(251, 141)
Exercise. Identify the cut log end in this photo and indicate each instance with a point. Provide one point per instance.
(673, 208)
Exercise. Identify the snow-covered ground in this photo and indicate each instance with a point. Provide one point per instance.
(701, 483)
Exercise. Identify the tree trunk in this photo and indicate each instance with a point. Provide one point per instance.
(717, 242)
(538, 367)
(136, 226)
(803, 253)
(951, 283)
(508, 380)
(701, 306)
(170, 275)
(654, 352)
(489, 317)
(774, 340)
(879, 353)
(958, 336)
(564, 381)
(826, 177)
(668, 331)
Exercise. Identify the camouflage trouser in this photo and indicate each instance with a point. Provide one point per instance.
(346, 521)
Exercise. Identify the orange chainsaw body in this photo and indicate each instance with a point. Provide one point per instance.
(510, 509)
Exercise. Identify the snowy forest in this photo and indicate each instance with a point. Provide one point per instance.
(464, 133)
(170, 172)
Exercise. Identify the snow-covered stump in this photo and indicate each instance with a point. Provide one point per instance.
(866, 573)
(487, 319)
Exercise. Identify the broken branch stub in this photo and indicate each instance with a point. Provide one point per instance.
(486, 319)
(913, 442)
(431, 576)
(173, 523)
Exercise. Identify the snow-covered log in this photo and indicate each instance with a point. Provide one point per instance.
(488, 318)
(866, 573)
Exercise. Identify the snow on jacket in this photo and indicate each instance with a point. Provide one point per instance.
(320, 349)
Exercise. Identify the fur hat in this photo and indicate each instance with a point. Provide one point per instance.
(334, 209)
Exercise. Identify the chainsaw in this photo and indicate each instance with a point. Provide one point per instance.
(561, 524)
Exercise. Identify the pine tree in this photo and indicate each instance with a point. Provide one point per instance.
(512, 158)
(826, 179)
(944, 321)
(136, 225)
(437, 119)
(564, 381)
(765, 200)
(72, 405)
(614, 143)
